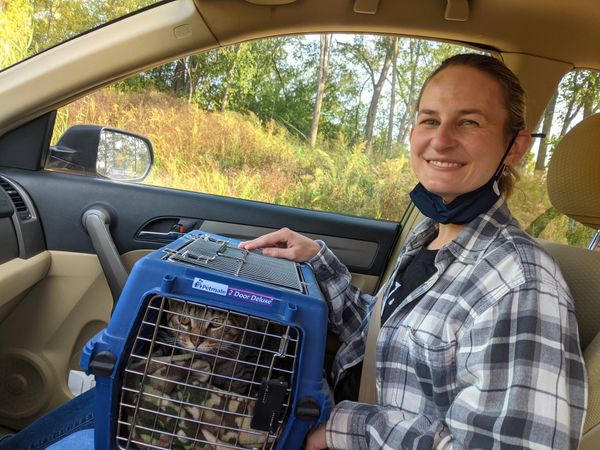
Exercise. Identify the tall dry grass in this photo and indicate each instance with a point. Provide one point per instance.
(236, 155)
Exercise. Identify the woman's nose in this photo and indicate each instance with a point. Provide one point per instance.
(444, 137)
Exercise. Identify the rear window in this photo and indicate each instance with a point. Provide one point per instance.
(577, 97)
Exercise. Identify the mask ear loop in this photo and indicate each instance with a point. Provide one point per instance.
(501, 166)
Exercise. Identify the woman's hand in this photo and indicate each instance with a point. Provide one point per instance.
(316, 439)
(284, 243)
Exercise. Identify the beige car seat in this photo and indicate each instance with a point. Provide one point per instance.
(574, 189)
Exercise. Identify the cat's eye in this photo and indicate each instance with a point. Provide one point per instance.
(184, 320)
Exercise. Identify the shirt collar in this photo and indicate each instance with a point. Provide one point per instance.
(468, 246)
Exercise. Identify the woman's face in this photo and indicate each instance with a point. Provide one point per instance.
(459, 135)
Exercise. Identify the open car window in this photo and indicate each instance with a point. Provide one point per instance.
(316, 121)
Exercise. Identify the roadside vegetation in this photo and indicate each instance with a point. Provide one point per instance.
(234, 154)
(237, 155)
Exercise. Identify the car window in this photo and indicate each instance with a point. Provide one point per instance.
(28, 27)
(317, 121)
(577, 97)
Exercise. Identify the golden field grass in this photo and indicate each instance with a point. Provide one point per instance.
(236, 155)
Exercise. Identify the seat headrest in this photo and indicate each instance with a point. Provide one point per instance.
(574, 173)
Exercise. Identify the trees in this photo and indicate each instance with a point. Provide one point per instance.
(342, 93)
(16, 31)
(577, 97)
(547, 121)
(323, 69)
(54, 22)
(411, 74)
(361, 89)
(386, 47)
(390, 129)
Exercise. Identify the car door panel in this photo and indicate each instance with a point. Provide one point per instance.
(363, 244)
(63, 301)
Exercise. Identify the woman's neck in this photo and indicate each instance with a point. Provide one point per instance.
(446, 233)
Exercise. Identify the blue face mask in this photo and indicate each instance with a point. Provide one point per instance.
(465, 207)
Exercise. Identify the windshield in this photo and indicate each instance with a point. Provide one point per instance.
(28, 27)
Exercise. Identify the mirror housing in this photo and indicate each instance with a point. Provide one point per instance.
(94, 150)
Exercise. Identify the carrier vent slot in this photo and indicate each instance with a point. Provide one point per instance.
(219, 255)
(16, 198)
(195, 375)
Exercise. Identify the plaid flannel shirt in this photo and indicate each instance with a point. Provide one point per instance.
(488, 358)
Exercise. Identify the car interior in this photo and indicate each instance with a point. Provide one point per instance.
(57, 283)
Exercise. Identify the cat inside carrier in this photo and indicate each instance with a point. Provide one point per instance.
(211, 347)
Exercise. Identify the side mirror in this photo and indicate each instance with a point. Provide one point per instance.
(102, 151)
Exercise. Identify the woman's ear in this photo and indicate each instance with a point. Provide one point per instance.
(519, 147)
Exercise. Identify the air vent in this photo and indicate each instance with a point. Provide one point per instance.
(17, 199)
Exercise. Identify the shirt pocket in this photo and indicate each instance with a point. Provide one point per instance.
(434, 364)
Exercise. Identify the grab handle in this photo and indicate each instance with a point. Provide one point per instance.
(96, 221)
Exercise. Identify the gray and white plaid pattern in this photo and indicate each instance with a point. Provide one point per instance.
(488, 358)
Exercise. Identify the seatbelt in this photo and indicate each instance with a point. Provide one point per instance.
(368, 377)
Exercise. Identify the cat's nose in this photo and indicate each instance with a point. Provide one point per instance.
(196, 341)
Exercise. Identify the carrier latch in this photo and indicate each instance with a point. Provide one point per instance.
(308, 409)
(269, 405)
(102, 364)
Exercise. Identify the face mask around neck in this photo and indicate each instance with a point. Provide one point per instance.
(465, 207)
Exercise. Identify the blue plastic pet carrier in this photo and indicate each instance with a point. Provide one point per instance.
(211, 347)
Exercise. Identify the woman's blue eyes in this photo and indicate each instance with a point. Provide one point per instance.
(432, 122)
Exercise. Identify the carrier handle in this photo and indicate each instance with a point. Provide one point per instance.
(96, 221)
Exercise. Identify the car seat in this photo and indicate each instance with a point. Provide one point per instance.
(573, 188)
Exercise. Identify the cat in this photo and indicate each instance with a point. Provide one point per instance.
(201, 377)
(230, 342)
(169, 414)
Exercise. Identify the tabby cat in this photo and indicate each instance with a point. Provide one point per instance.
(168, 414)
(229, 342)
(198, 381)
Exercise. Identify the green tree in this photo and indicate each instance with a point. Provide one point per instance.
(547, 120)
(392, 109)
(56, 21)
(321, 79)
(16, 31)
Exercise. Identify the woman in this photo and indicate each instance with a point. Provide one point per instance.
(478, 346)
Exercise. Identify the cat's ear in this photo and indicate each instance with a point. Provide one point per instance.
(174, 305)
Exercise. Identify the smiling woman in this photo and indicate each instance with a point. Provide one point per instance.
(478, 323)
(30, 27)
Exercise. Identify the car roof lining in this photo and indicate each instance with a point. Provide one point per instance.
(503, 24)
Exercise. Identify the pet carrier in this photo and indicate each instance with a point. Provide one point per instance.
(211, 346)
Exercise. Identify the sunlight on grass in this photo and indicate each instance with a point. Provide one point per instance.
(236, 155)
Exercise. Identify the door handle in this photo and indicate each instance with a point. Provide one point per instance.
(159, 236)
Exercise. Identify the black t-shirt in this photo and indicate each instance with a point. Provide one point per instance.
(419, 270)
